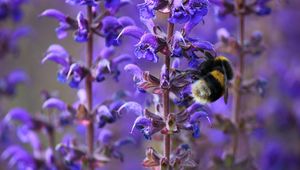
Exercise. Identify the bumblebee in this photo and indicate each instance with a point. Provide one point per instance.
(210, 80)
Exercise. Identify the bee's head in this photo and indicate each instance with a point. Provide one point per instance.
(201, 92)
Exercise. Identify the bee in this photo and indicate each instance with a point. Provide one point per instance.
(210, 80)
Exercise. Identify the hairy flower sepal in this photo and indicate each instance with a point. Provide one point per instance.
(153, 158)
(181, 157)
(171, 126)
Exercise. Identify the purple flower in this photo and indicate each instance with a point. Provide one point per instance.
(9, 83)
(144, 125)
(146, 9)
(18, 114)
(144, 80)
(261, 8)
(11, 8)
(111, 28)
(82, 2)
(112, 3)
(107, 114)
(108, 66)
(9, 41)
(146, 48)
(179, 14)
(105, 136)
(54, 103)
(135, 71)
(81, 34)
(65, 23)
(73, 72)
(19, 157)
(28, 136)
(197, 9)
(147, 123)
(195, 122)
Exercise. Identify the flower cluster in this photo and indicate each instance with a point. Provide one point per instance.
(227, 7)
(71, 152)
(9, 38)
(173, 44)
(11, 9)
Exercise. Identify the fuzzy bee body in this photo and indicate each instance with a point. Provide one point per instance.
(211, 79)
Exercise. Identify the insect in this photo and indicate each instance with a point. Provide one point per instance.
(210, 80)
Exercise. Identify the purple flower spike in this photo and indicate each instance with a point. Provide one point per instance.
(131, 107)
(18, 114)
(146, 48)
(54, 103)
(81, 34)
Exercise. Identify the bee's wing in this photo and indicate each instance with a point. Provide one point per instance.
(225, 85)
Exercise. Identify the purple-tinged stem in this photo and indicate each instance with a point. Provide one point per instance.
(89, 87)
(239, 75)
(166, 98)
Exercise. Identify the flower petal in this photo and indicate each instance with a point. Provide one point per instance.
(53, 13)
(54, 103)
(18, 114)
(131, 107)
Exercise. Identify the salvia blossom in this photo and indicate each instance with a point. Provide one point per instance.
(9, 41)
(11, 9)
(111, 27)
(258, 7)
(9, 83)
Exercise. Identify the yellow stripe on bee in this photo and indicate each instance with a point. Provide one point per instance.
(219, 76)
(222, 58)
